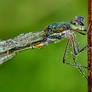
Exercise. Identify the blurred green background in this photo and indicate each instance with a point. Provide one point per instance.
(40, 70)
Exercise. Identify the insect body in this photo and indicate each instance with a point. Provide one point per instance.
(51, 34)
(61, 30)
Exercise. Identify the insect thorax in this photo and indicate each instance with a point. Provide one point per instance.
(58, 31)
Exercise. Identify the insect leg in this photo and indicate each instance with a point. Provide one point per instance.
(74, 59)
(75, 45)
(83, 49)
(64, 57)
(89, 26)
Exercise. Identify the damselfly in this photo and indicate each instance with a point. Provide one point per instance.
(52, 34)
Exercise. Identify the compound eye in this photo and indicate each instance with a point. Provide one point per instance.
(75, 23)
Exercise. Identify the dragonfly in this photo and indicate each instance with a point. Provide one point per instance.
(51, 34)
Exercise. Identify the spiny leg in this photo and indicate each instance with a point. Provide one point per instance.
(77, 46)
(74, 59)
(82, 50)
(76, 43)
(89, 26)
(73, 46)
(85, 47)
(64, 57)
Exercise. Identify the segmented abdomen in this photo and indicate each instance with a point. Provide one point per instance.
(20, 41)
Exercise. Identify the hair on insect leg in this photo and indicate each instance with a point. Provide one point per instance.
(74, 57)
(79, 67)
